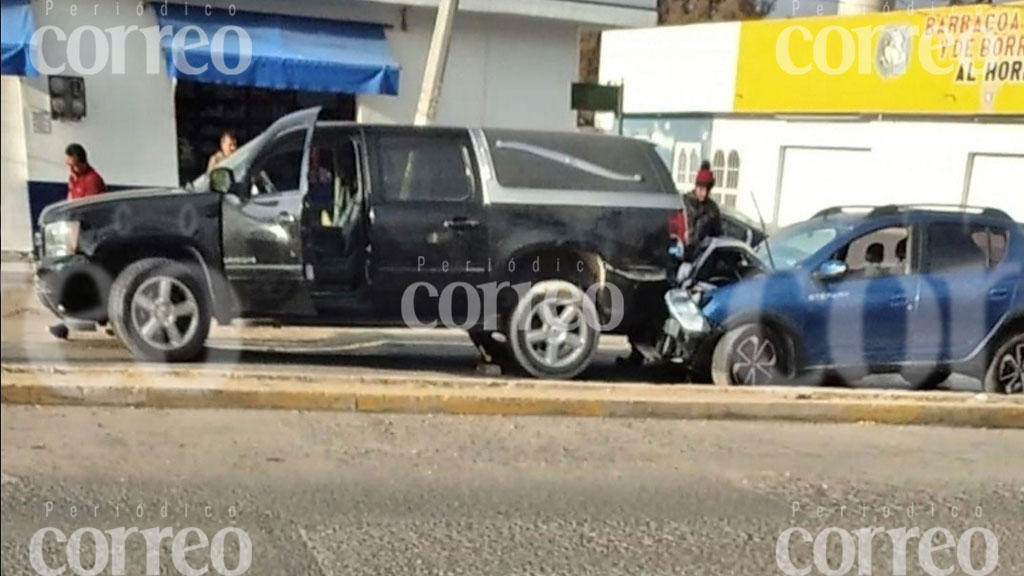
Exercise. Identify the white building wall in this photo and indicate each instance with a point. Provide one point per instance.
(910, 161)
(662, 70)
(129, 129)
(16, 227)
(503, 71)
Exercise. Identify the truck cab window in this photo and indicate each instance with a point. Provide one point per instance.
(333, 182)
(278, 169)
(426, 168)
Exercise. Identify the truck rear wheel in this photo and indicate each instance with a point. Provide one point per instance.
(554, 330)
(159, 310)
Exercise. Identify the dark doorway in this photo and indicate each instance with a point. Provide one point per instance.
(204, 111)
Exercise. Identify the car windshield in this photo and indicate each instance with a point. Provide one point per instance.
(791, 245)
(236, 162)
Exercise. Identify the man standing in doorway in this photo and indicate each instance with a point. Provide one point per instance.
(83, 182)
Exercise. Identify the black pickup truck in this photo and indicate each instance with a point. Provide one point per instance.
(532, 242)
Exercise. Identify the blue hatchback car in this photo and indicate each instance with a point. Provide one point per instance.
(921, 291)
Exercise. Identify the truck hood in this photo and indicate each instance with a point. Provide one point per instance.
(70, 209)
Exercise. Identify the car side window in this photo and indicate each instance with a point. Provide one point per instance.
(280, 168)
(961, 246)
(426, 168)
(993, 240)
(879, 253)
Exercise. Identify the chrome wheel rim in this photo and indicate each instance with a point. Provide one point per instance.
(754, 361)
(1010, 370)
(556, 332)
(164, 313)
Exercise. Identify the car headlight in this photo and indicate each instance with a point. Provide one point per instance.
(60, 238)
(686, 312)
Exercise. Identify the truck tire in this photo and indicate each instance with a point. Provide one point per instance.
(1005, 373)
(554, 330)
(160, 311)
(751, 355)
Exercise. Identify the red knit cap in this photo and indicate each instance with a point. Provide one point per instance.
(705, 178)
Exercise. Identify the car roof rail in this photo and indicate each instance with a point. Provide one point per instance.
(833, 210)
(890, 209)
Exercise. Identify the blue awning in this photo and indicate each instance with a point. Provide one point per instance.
(287, 52)
(16, 31)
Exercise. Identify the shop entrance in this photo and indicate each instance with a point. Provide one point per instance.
(204, 111)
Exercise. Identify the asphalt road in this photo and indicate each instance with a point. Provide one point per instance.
(331, 493)
(425, 353)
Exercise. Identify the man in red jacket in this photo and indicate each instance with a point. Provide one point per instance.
(83, 182)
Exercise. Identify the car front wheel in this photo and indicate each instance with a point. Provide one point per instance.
(1005, 374)
(751, 355)
(159, 310)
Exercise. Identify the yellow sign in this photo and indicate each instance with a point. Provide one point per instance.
(966, 60)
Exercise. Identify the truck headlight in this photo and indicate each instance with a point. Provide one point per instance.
(686, 312)
(60, 238)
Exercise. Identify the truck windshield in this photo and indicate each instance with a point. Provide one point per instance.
(791, 245)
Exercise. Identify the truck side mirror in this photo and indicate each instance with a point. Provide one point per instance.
(222, 180)
(831, 270)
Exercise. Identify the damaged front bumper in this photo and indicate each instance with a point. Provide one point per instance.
(686, 331)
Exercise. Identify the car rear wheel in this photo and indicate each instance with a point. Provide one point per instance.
(751, 355)
(1005, 374)
(554, 330)
(159, 310)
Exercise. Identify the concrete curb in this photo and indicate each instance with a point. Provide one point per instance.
(191, 389)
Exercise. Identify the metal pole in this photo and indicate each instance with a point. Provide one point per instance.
(437, 58)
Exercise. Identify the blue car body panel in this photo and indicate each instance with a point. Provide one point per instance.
(944, 317)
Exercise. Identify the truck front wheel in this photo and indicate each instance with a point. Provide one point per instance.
(159, 310)
(554, 330)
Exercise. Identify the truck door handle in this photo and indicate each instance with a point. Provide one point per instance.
(285, 218)
(998, 293)
(460, 223)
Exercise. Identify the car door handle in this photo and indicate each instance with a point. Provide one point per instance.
(460, 223)
(285, 218)
(900, 302)
(998, 293)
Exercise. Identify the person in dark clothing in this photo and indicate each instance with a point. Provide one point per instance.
(705, 220)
